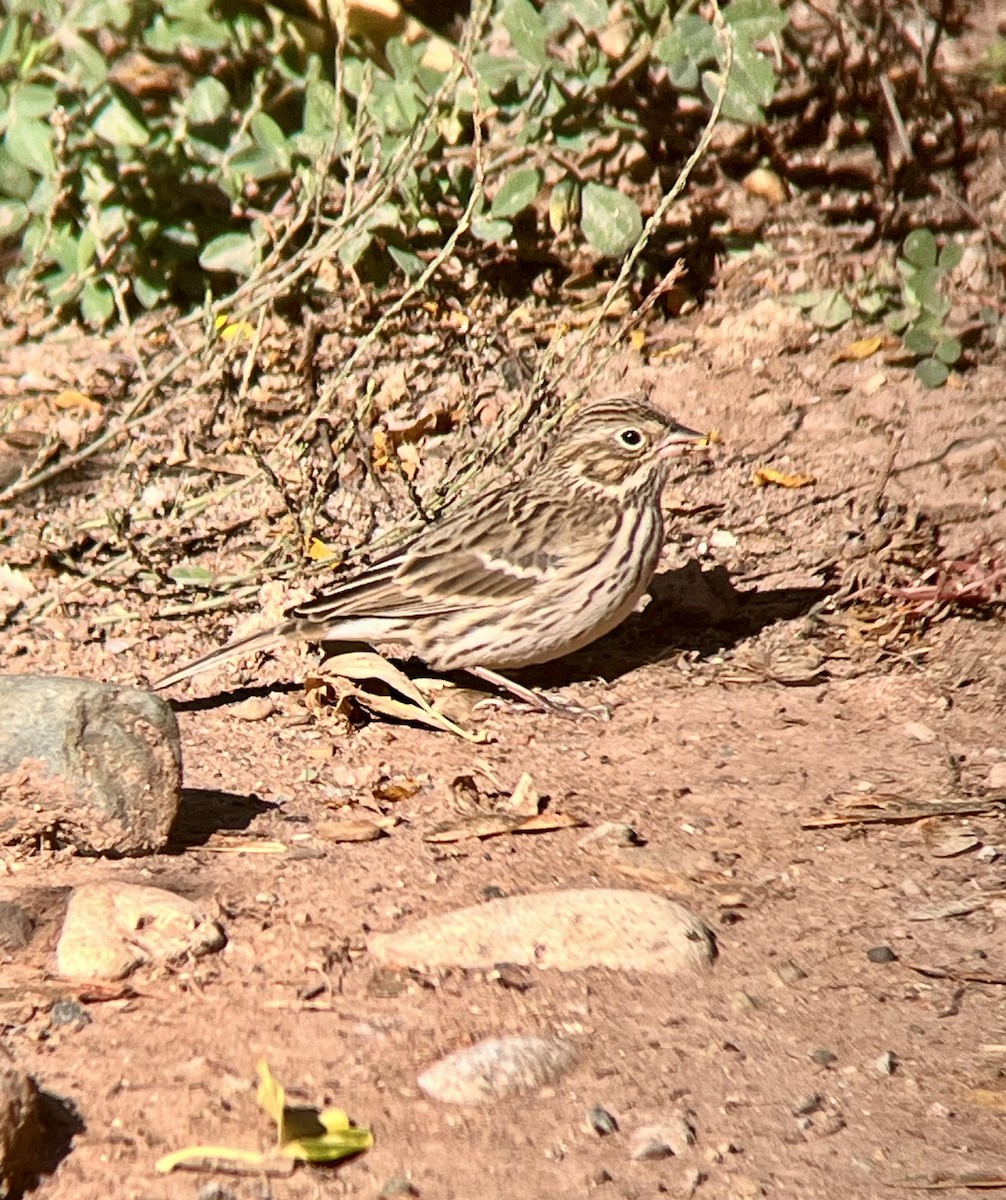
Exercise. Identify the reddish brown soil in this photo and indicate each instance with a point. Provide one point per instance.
(735, 723)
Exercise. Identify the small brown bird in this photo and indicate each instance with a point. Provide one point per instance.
(529, 572)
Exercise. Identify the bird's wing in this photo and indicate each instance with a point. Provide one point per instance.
(497, 551)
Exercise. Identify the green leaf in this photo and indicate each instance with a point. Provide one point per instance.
(85, 64)
(150, 288)
(689, 43)
(920, 248)
(33, 100)
(831, 311)
(29, 142)
(411, 264)
(919, 341)
(495, 72)
(117, 125)
(931, 373)
(804, 299)
(872, 304)
(589, 14)
(949, 351)
(234, 252)
(208, 101)
(16, 181)
(487, 230)
(97, 304)
(922, 287)
(610, 221)
(13, 217)
(950, 256)
(517, 192)
(352, 249)
(527, 31)
(189, 575)
(755, 19)
(270, 136)
(98, 14)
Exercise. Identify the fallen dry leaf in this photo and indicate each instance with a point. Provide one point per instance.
(71, 398)
(858, 350)
(766, 475)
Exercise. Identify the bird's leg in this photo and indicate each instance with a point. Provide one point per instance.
(548, 704)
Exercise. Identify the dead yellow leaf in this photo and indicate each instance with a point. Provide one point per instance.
(766, 475)
(71, 398)
(637, 339)
(381, 452)
(864, 348)
(320, 551)
(233, 331)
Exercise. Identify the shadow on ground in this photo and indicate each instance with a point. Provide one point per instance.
(205, 811)
(691, 609)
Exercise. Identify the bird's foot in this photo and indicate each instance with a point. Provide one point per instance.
(540, 702)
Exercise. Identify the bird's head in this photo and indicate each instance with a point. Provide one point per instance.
(622, 443)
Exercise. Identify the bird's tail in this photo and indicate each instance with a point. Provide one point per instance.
(266, 639)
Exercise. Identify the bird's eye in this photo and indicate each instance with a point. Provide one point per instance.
(632, 439)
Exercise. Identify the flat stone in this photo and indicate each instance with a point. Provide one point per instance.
(99, 764)
(566, 930)
(110, 929)
(497, 1068)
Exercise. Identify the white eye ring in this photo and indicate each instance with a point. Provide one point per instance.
(630, 438)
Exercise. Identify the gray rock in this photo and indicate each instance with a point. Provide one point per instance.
(110, 929)
(497, 1068)
(568, 930)
(103, 764)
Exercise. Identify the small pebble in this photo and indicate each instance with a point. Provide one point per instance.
(823, 1057)
(69, 1012)
(398, 1187)
(668, 1138)
(807, 1105)
(881, 954)
(921, 733)
(988, 854)
(602, 1122)
(886, 1063)
(215, 1191)
(789, 972)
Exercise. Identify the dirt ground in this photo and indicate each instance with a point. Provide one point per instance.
(745, 708)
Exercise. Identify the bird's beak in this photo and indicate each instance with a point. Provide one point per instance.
(680, 440)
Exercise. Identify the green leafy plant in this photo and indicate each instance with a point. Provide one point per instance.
(915, 310)
(925, 307)
(163, 151)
